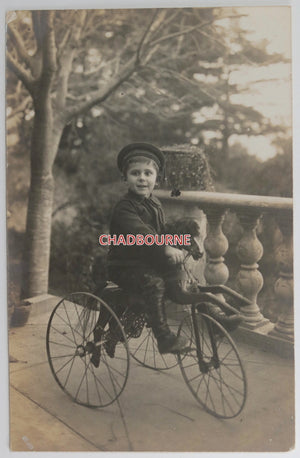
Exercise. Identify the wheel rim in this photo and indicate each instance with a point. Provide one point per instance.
(146, 353)
(222, 390)
(70, 346)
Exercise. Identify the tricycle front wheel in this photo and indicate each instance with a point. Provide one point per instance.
(212, 369)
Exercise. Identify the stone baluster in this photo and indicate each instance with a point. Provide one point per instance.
(249, 280)
(283, 287)
(216, 245)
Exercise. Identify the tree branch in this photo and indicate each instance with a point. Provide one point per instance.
(150, 54)
(63, 42)
(37, 29)
(161, 21)
(20, 72)
(66, 60)
(173, 59)
(19, 45)
(138, 51)
(21, 107)
(49, 45)
(63, 207)
(184, 79)
(96, 97)
(181, 32)
(76, 98)
(48, 50)
(99, 96)
(191, 29)
(211, 38)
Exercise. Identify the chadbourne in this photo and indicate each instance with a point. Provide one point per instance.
(148, 239)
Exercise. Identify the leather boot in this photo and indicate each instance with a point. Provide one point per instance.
(167, 341)
(157, 319)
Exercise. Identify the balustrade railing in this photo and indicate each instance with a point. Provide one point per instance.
(249, 280)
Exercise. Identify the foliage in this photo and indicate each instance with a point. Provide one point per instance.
(75, 247)
(273, 177)
(247, 175)
(108, 77)
(72, 254)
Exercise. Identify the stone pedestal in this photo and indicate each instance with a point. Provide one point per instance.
(284, 286)
(216, 245)
(249, 280)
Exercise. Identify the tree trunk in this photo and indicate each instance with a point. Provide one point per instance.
(225, 146)
(37, 238)
(36, 254)
(225, 130)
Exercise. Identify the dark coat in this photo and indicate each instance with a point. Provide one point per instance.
(135, 214)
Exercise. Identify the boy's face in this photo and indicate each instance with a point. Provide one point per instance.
(141, 178)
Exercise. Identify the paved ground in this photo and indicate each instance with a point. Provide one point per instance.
(159, 412)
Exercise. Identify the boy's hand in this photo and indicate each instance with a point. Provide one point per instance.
(174, 255)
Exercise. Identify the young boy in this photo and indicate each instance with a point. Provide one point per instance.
(140, 269)
(137, 268)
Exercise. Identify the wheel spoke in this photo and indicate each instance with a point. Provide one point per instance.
(68, 375)
(64, 365)
(69, 322)
(199, 384)
(113, 368)
(208, 392)
(230, 387)
(63, 356)
(223, 398)
(97, 383)
(195, 376)
(162, 357)
(140, 345)
(221, 386)
(60, 344)
(69, 325)
(93, 325)
(232, 372)
(87, 386)
(231, 390)
(101, 383)
(64, 335)
(228, 353)
(153, 349)
(110, 369)
(191, 365)
(112, 379)
(81, 381)
(145, 352)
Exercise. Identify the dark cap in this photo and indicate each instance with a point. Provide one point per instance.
(141, 149)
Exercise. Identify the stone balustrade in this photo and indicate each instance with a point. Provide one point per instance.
(249, 280)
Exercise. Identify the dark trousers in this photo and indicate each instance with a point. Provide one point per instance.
(148, 284)
(152, 285)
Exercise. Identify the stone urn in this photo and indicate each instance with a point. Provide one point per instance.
(187, 168)
(20, 314)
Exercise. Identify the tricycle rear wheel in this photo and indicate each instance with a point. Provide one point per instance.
(87, 350)
(146, 352)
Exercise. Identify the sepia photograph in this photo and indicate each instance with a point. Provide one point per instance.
(149, 228)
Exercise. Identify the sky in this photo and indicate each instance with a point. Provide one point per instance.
(274, 98)
(273, 23)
